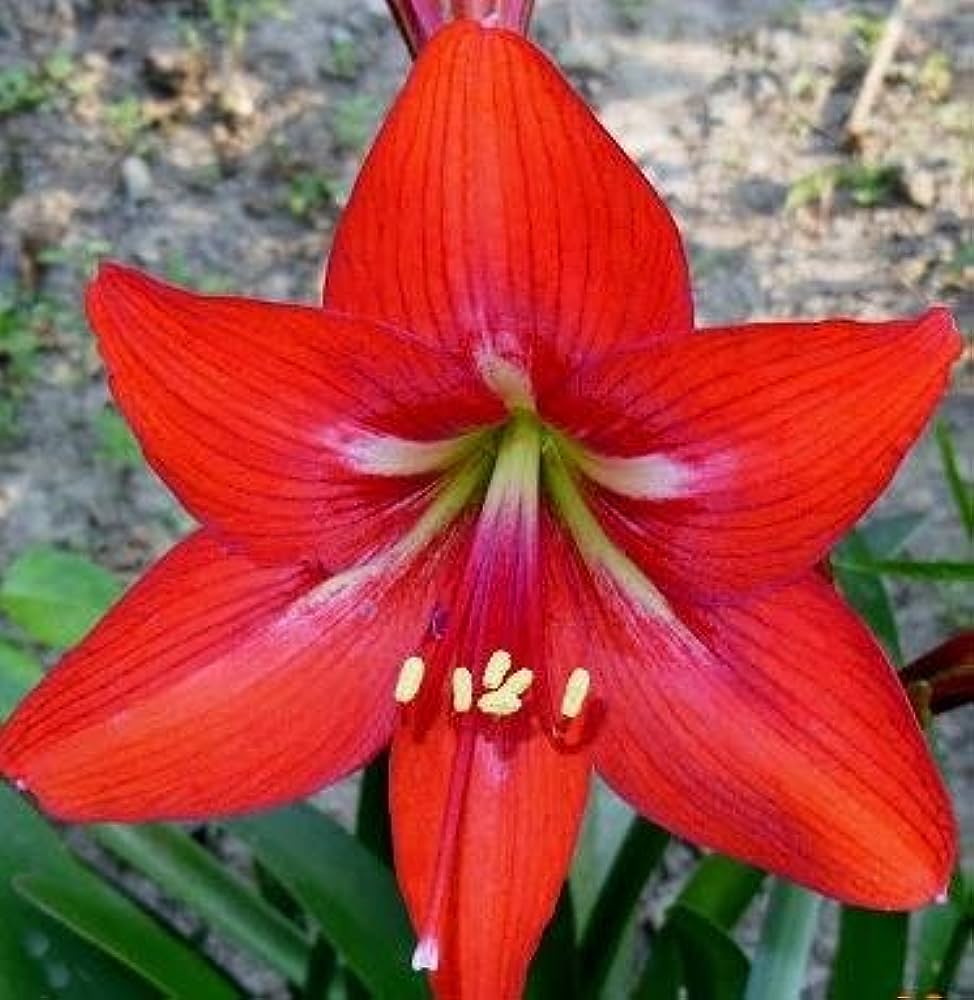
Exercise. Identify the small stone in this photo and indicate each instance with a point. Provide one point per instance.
(920, 184)
(136, 179)
(41, 218)
(237, 96)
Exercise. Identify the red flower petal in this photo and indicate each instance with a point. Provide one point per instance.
(273, 422)
(774, 731)
(737, 457)
(495, 213)
(522, 805)
(216, 686)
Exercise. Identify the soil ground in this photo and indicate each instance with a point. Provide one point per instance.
(219, 153)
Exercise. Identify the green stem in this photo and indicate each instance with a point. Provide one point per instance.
(778, 970)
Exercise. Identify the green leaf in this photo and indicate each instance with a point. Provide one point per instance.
(939, 570)
(607, 821)
(662, 975)
(637, 857)
(946, 931)
(18, 674)
(885, 536)
(714, 967)
(39, 957)
(554, 971)
(866, 592)
(118, 927)
(778, 969)
(351, 895)
(721, 889)
(961, 490)
(870, 961)
(188, 872)
(56, 596)
(372, 824)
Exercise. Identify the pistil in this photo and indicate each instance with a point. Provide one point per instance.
(501, 574)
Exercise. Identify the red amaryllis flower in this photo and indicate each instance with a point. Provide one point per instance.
(499, 504)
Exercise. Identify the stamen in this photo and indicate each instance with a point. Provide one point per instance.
(576, 691)
(518, 682)
(410, 679)
(506, 700)
(462, 690)
(427, 955)
(497, 667)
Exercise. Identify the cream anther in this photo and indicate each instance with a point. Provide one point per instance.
(497, 668)
(576, 691)
(410, 679)
(462, 690)
(506, 700)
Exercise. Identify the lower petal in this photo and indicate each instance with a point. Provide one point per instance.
(522, 803)
(773, 730)
(217, 686)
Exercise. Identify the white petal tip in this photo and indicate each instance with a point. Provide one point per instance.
(426, 957)
(942, 897)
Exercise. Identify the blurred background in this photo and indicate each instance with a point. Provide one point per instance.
(215, 143)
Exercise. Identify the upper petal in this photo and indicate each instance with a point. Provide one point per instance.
(523, 801)
(297, 433)
(217, 686)
(494, 213)
(774, 731)
(737, 457)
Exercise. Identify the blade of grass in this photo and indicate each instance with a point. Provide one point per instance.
(870, 961)
(191, 874)
(961, 490)
(941, 570)
(778, 969)
(351, 895)
(866, 592)
(372, 824)
(118, 927)
(721, 889)
(640, 852)
(554, 970)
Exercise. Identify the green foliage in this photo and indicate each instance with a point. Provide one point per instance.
(233, 19)
(127, 123)
(24, 88)
(344, 61)
(25, 320)
(778, 970)
(867, 185)
(178, 270)
(81, 257)
(309, 193)
(350, 894)
(946, 933)
(867, 29)
(961, 489)
(56, 596)
(19, 672)
(935, 77)
(871, 957)
(193, 875)
(117, 445)
(354, 120)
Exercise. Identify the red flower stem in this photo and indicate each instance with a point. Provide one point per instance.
(943, 678)
(418, 20)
